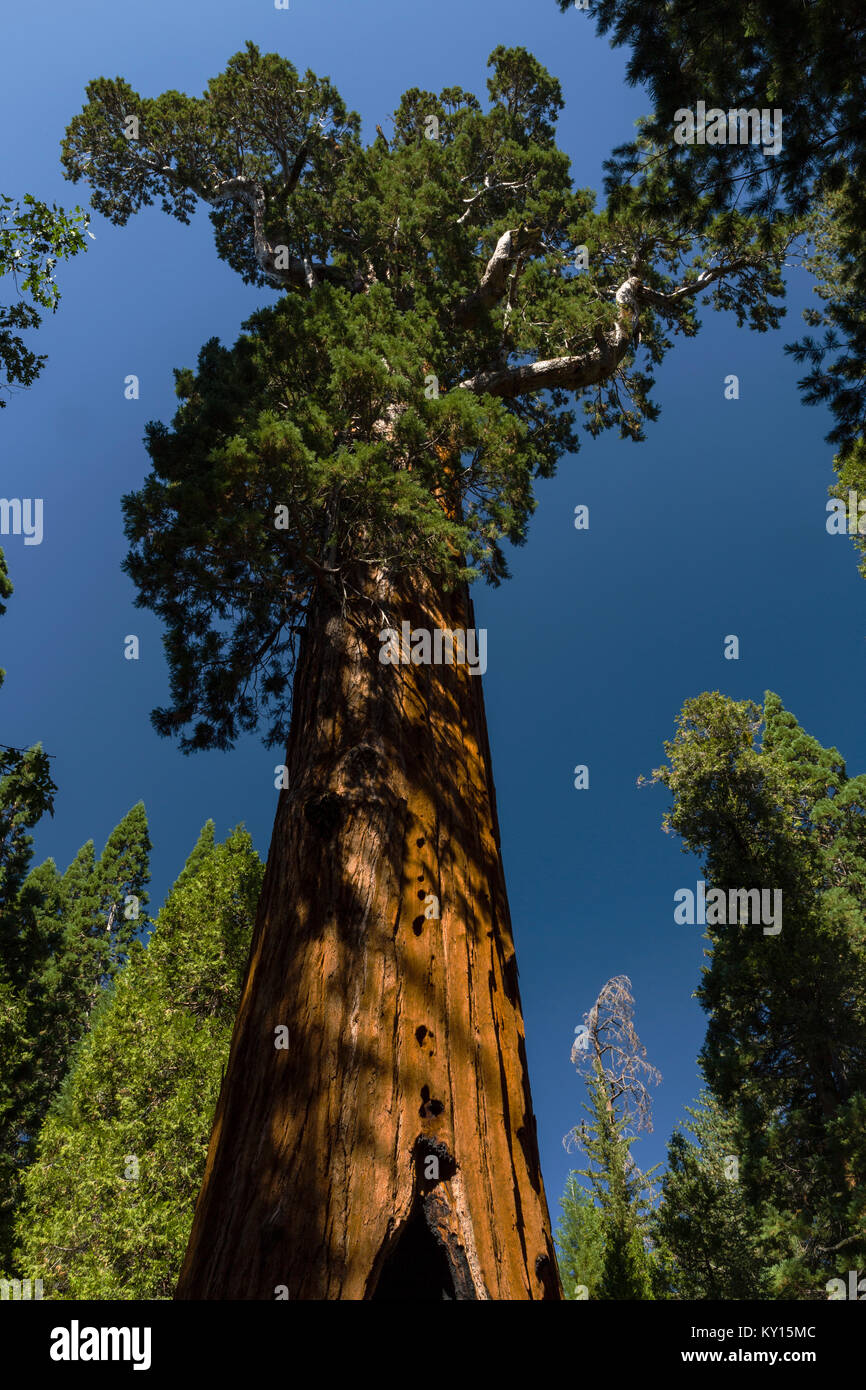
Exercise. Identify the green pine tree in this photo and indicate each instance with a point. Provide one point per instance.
(67, 937)
(109, 1198)
(579, 1241)
(26, 794)
(86, 920)
(623, 1195)
(804, 61)
(705, 1229)
(785, 1052)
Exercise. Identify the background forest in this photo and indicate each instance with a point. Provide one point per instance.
(114, 1024)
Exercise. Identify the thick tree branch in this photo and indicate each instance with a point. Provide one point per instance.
(572, 372)
(495, 278)
(297, 271)
(596, 364)
(297, 168)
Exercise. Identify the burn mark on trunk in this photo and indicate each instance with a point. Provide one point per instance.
(417, 1269)
(425, 1260)
(440, 1221)
(324, 813)
(509, 979)
(442, 1170)
(528, 1133)
(545, 1272)
(429, 1108)
(422, 1032)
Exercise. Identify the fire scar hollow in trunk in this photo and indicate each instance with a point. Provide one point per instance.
(389, 1151)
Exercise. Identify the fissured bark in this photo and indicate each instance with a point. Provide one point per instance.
(390, 1150)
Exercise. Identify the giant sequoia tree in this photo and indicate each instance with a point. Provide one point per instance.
(360, 455)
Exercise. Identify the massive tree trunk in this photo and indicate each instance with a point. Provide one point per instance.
(390, 1150)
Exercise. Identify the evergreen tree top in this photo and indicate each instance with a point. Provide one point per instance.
(785, 1052)
(449, 297)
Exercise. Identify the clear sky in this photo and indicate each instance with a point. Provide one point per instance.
(714, 525)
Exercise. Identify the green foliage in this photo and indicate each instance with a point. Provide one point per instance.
(26, 794)
(837, 361)
(270, 425)
(622, 1194)
(33, 238)
(14, 1043)
(5, 590)
(704, 1229)
(388, 401)
(251, 122)
(785, 1053)
(109, 1199)
(579, 1241)
(768, 54)
(64, 940)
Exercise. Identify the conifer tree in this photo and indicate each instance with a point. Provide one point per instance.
(620, 1190)
(26, 794)
(109, 1197)
(706, 1231)
(68, 935)
(805, 62)
(86, 920)
(767, 53)
(366, 449)
(785, 1052)
(579, 1241)
(617, 1073)
(837, 363)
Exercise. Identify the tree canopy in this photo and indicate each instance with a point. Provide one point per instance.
(805, 61)
(777, 53)
(109, 1198)
(705, 1229)
(785, 1051)
(448, 297)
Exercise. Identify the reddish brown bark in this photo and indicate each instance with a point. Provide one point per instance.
(406, 1043)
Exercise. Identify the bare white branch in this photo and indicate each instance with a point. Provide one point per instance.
(494, 281)
(622, 1058)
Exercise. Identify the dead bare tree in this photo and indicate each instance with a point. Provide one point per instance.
(608, 1040)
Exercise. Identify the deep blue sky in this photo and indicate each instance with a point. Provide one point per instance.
(714, 525)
